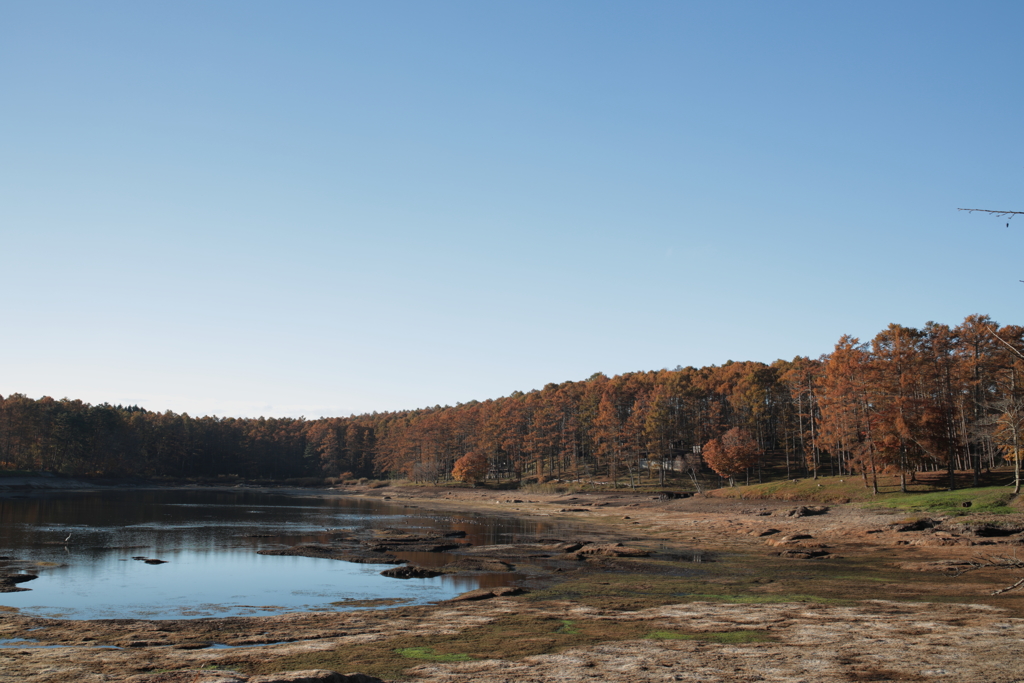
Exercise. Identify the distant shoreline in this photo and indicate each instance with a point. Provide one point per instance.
(46, 484)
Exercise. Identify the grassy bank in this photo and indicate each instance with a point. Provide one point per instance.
(926, 496)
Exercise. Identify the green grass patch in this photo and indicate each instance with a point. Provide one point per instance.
(727, 637)
(993, 500)
(920, 497)
(429, 654)
(820, 490)
(567, 628)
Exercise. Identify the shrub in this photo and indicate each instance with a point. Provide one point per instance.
(732, 454)
(471, 468)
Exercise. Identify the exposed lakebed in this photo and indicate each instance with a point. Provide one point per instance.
(166, 554)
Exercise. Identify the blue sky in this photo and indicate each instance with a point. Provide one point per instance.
(324, 208)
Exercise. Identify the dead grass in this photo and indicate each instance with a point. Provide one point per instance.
(727, 637)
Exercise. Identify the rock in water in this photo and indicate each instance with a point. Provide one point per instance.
(409, 572)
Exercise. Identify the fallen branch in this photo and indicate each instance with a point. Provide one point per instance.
(1010, 588)
(993, 562)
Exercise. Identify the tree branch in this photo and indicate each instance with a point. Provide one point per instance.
(997, 562)
(992, 211)
(984, 562)
(1004, 342)
(1009, 588)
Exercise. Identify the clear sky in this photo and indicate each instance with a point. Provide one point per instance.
(322, 208)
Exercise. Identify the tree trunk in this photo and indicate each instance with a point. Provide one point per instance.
(951, 467)
(1016, 463)
(874, 473)
(1016, 471)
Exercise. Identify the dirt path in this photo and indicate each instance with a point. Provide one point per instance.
(731, 591)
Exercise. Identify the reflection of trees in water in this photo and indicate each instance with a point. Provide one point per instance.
(209, 541)
(462, 584)
(495, 580)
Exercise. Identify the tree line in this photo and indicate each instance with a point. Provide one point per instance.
(908, 400)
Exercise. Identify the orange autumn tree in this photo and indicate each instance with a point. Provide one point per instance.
(731, 454)
(471, 468)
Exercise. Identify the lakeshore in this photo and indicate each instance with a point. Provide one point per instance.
(704, 588)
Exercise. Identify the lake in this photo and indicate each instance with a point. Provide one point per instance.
(208, 541)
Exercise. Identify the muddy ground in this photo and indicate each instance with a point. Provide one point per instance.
(696, 589)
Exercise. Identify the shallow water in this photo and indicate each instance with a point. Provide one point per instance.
(209, 542)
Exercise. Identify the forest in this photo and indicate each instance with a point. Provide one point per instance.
(909, 400)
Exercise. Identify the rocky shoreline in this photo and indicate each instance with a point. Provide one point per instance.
(651, 590)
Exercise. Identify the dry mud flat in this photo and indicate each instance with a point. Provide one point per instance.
(876, 641)
(780, 593)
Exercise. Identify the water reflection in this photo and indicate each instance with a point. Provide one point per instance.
(209, 541)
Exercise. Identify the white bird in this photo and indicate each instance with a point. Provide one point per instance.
(69, 537)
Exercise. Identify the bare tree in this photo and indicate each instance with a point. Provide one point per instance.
(692, 463)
